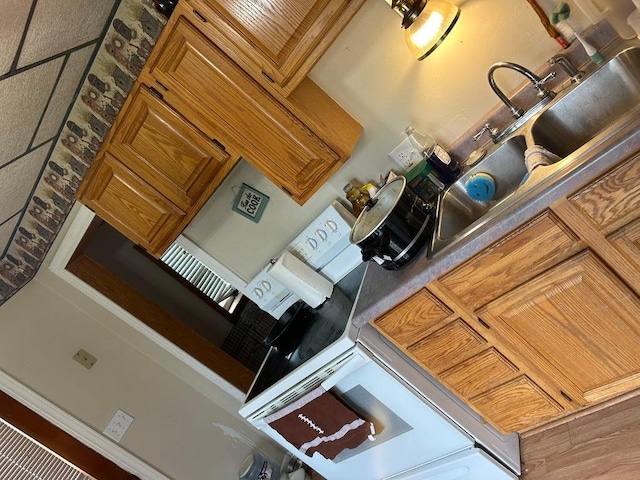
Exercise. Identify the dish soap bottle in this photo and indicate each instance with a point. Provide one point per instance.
(448, 168)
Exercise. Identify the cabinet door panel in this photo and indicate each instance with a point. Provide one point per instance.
(516, 405)
(579, 323)
(218, 95)
(411, 320)
(159, 145)
(276, 41)
(479, 373)
(531, 249)
(614, 200)
(130, 205)
(447, 346)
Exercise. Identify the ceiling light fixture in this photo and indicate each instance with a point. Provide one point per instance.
(426, 23)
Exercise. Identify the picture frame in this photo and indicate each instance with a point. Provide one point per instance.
(250, 203)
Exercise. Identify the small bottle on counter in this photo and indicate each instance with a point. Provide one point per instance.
(357, 197)
(448, 169)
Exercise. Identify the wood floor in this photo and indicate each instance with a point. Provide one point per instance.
(604, 445)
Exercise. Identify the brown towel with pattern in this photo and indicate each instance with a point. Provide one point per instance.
(320, 422)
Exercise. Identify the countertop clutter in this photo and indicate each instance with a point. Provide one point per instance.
(535, 313)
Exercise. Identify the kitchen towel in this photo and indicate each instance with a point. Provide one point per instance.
(320, 422)
(301, 279)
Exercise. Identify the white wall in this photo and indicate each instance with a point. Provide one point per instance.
(369, 71)
(48, 321)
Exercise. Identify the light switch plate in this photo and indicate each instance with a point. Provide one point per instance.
(118, 425)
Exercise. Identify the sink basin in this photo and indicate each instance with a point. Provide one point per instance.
(574, 119)
(457, 210)
(570, 121)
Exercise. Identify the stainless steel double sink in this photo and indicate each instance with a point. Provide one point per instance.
(566, 126)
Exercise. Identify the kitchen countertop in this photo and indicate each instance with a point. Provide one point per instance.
(383, 289)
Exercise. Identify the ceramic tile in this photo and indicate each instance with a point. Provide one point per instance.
(58, 25)
(6, 230)
(64, 93)
(12, 27)
(23, 98)
(17, 180)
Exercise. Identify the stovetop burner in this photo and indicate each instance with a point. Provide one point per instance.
(331, 320)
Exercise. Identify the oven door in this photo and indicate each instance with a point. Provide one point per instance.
(413, 432)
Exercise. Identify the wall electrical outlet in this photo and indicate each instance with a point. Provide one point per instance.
(406, 155)
(118, 425)
(85, 359)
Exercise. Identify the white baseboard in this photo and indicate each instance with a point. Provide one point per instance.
(78, 430)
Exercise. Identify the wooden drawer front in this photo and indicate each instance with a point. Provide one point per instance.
(224, 101)
(447, 346)
(516, 405)
(278, 41)
(534, 247)
(614, 200)
(159, 145)
(412, 319)
(578, 323)
(479, 373)
(131, 206)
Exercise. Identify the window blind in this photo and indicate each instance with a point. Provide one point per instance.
(22, 458)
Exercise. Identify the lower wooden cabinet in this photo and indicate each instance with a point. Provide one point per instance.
(578, 323)
(131, 205)
(516, 405)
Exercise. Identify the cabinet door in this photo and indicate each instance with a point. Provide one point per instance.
(131, 205)
(529, 250)
(413, 319)
(277, 41)
(614, 200)
(204, 84)
(160, 146)
(516, 405)
(578, 323)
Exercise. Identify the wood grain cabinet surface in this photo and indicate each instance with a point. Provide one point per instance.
(129, 204)
(154, 173)
(277, 42)
(578, 323)
(199, 80)
(155, 142)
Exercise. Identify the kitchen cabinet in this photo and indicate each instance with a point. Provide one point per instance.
(195, 111)
(129, 204)
(438, 334)
(276, 42)
(199, 80)
(546, 320)
(157, 144)
(154, 174)
(579, 323)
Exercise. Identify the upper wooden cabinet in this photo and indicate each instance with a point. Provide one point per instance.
(130, 205)
(154, 174)
(196, 78)
(277, 42)
(157, 144)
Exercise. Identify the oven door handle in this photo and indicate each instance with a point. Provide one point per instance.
(348, 368)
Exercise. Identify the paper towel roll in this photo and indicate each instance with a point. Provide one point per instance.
(301, 279)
